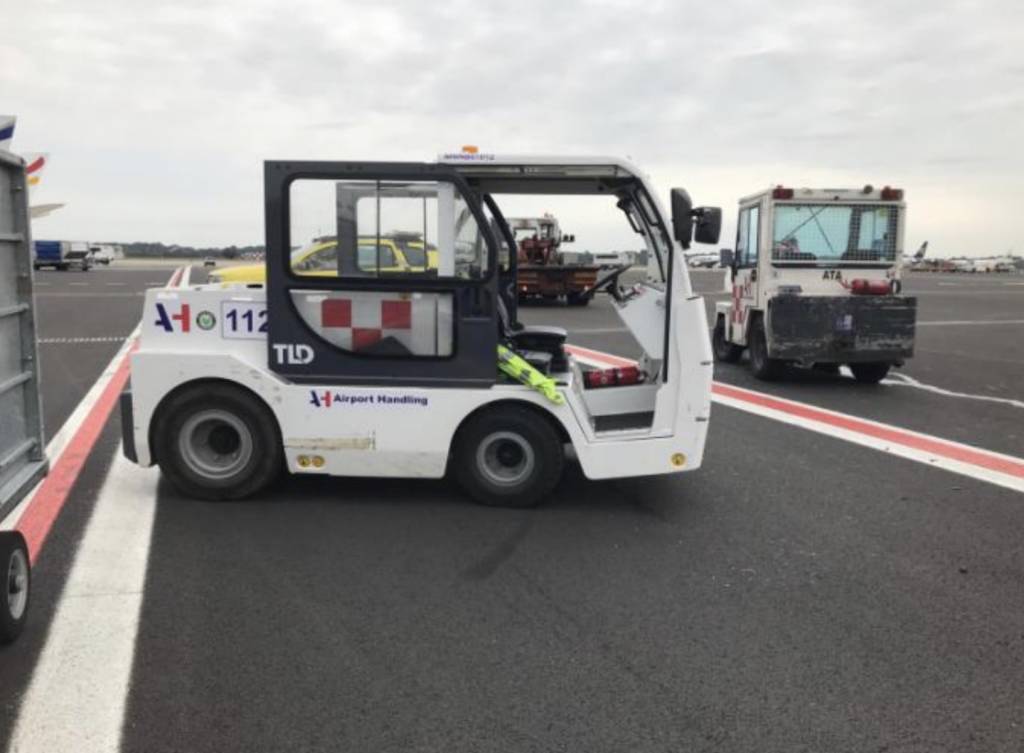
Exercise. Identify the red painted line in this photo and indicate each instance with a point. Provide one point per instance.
(944, 449)
(35, 165)
(51, 495)
(934, 445)
(49, 499)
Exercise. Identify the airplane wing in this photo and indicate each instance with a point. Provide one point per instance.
(41, 210)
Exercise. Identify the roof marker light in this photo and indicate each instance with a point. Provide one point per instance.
(892, 194)
(782, 193)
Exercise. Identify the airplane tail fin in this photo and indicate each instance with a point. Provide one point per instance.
(34, 166)
(7, 131)
(919, 255)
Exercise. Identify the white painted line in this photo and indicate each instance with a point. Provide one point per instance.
(55, 447)
(79, 340)
(120, 284)
(975, 462)
(920, 453)
(902, 380)
(186, 277)
(79, 688)
(41, 284)
(79, 284)
(968, 322)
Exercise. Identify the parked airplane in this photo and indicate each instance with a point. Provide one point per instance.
(917, 260)
(35, 162)
(702, 259)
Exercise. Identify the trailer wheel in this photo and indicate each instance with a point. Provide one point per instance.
(872, 372)
(217, 442)
(764, 368)
(725, 351)
(17, 580)
(508, 457)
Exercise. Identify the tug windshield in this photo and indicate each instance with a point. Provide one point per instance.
(832, 233)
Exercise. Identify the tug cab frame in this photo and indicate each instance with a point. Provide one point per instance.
(815, 280)
(359, 374)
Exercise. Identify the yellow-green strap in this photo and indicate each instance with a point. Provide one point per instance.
(517, 368)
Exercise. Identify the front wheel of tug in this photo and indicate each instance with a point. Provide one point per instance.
(215, 441)
(508, 456)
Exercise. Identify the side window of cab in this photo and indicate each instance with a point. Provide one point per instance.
(747, 232)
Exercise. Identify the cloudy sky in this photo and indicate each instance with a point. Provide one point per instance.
(157, 117)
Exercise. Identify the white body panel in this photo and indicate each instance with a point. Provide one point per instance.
(397, 431)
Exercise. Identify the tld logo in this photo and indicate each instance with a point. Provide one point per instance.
(167, 322)
(286, 353)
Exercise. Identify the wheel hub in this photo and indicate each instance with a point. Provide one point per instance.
(215, 444)
(505, 458)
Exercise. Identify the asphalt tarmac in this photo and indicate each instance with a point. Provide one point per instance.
(797, 593)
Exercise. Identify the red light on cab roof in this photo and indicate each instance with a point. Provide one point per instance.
(782, 193)
(892, 194)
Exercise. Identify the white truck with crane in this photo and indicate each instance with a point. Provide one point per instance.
(367, 373)
(815, 281)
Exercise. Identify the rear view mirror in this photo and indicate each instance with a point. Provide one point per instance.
(709, 224)
(682, 221)
(725, 257)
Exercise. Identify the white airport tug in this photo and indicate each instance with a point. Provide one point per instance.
(816, 282)
(348, 365)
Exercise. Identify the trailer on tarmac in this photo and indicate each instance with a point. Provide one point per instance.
(816, 282)
(62, 255)
(22, 452)
(544, 270)
(367, 372)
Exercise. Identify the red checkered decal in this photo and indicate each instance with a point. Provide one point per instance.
(422, 322)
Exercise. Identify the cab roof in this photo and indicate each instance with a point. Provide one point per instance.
(546, 174)
(844, 195)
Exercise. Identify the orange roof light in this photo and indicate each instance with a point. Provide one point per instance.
(470, 149)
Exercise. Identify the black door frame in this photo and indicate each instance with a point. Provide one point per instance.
(473, 360)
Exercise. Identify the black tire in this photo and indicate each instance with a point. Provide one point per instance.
(16, 575)
(215, 441)
(510, 440)
(725, 351)
(577, 299)
(764, 368)
(872, 372)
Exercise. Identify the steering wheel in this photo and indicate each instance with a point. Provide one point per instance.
(609, 282)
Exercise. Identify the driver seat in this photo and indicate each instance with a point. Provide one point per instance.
(534, 343)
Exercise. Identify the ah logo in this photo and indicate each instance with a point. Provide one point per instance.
(167, 321)
(286, 353)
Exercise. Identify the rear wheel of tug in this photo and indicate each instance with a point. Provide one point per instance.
(725, 351)
(764, 368)
(214, 441)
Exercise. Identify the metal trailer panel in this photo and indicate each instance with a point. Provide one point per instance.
(841, 329)
(22, 451)
(555, 279)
